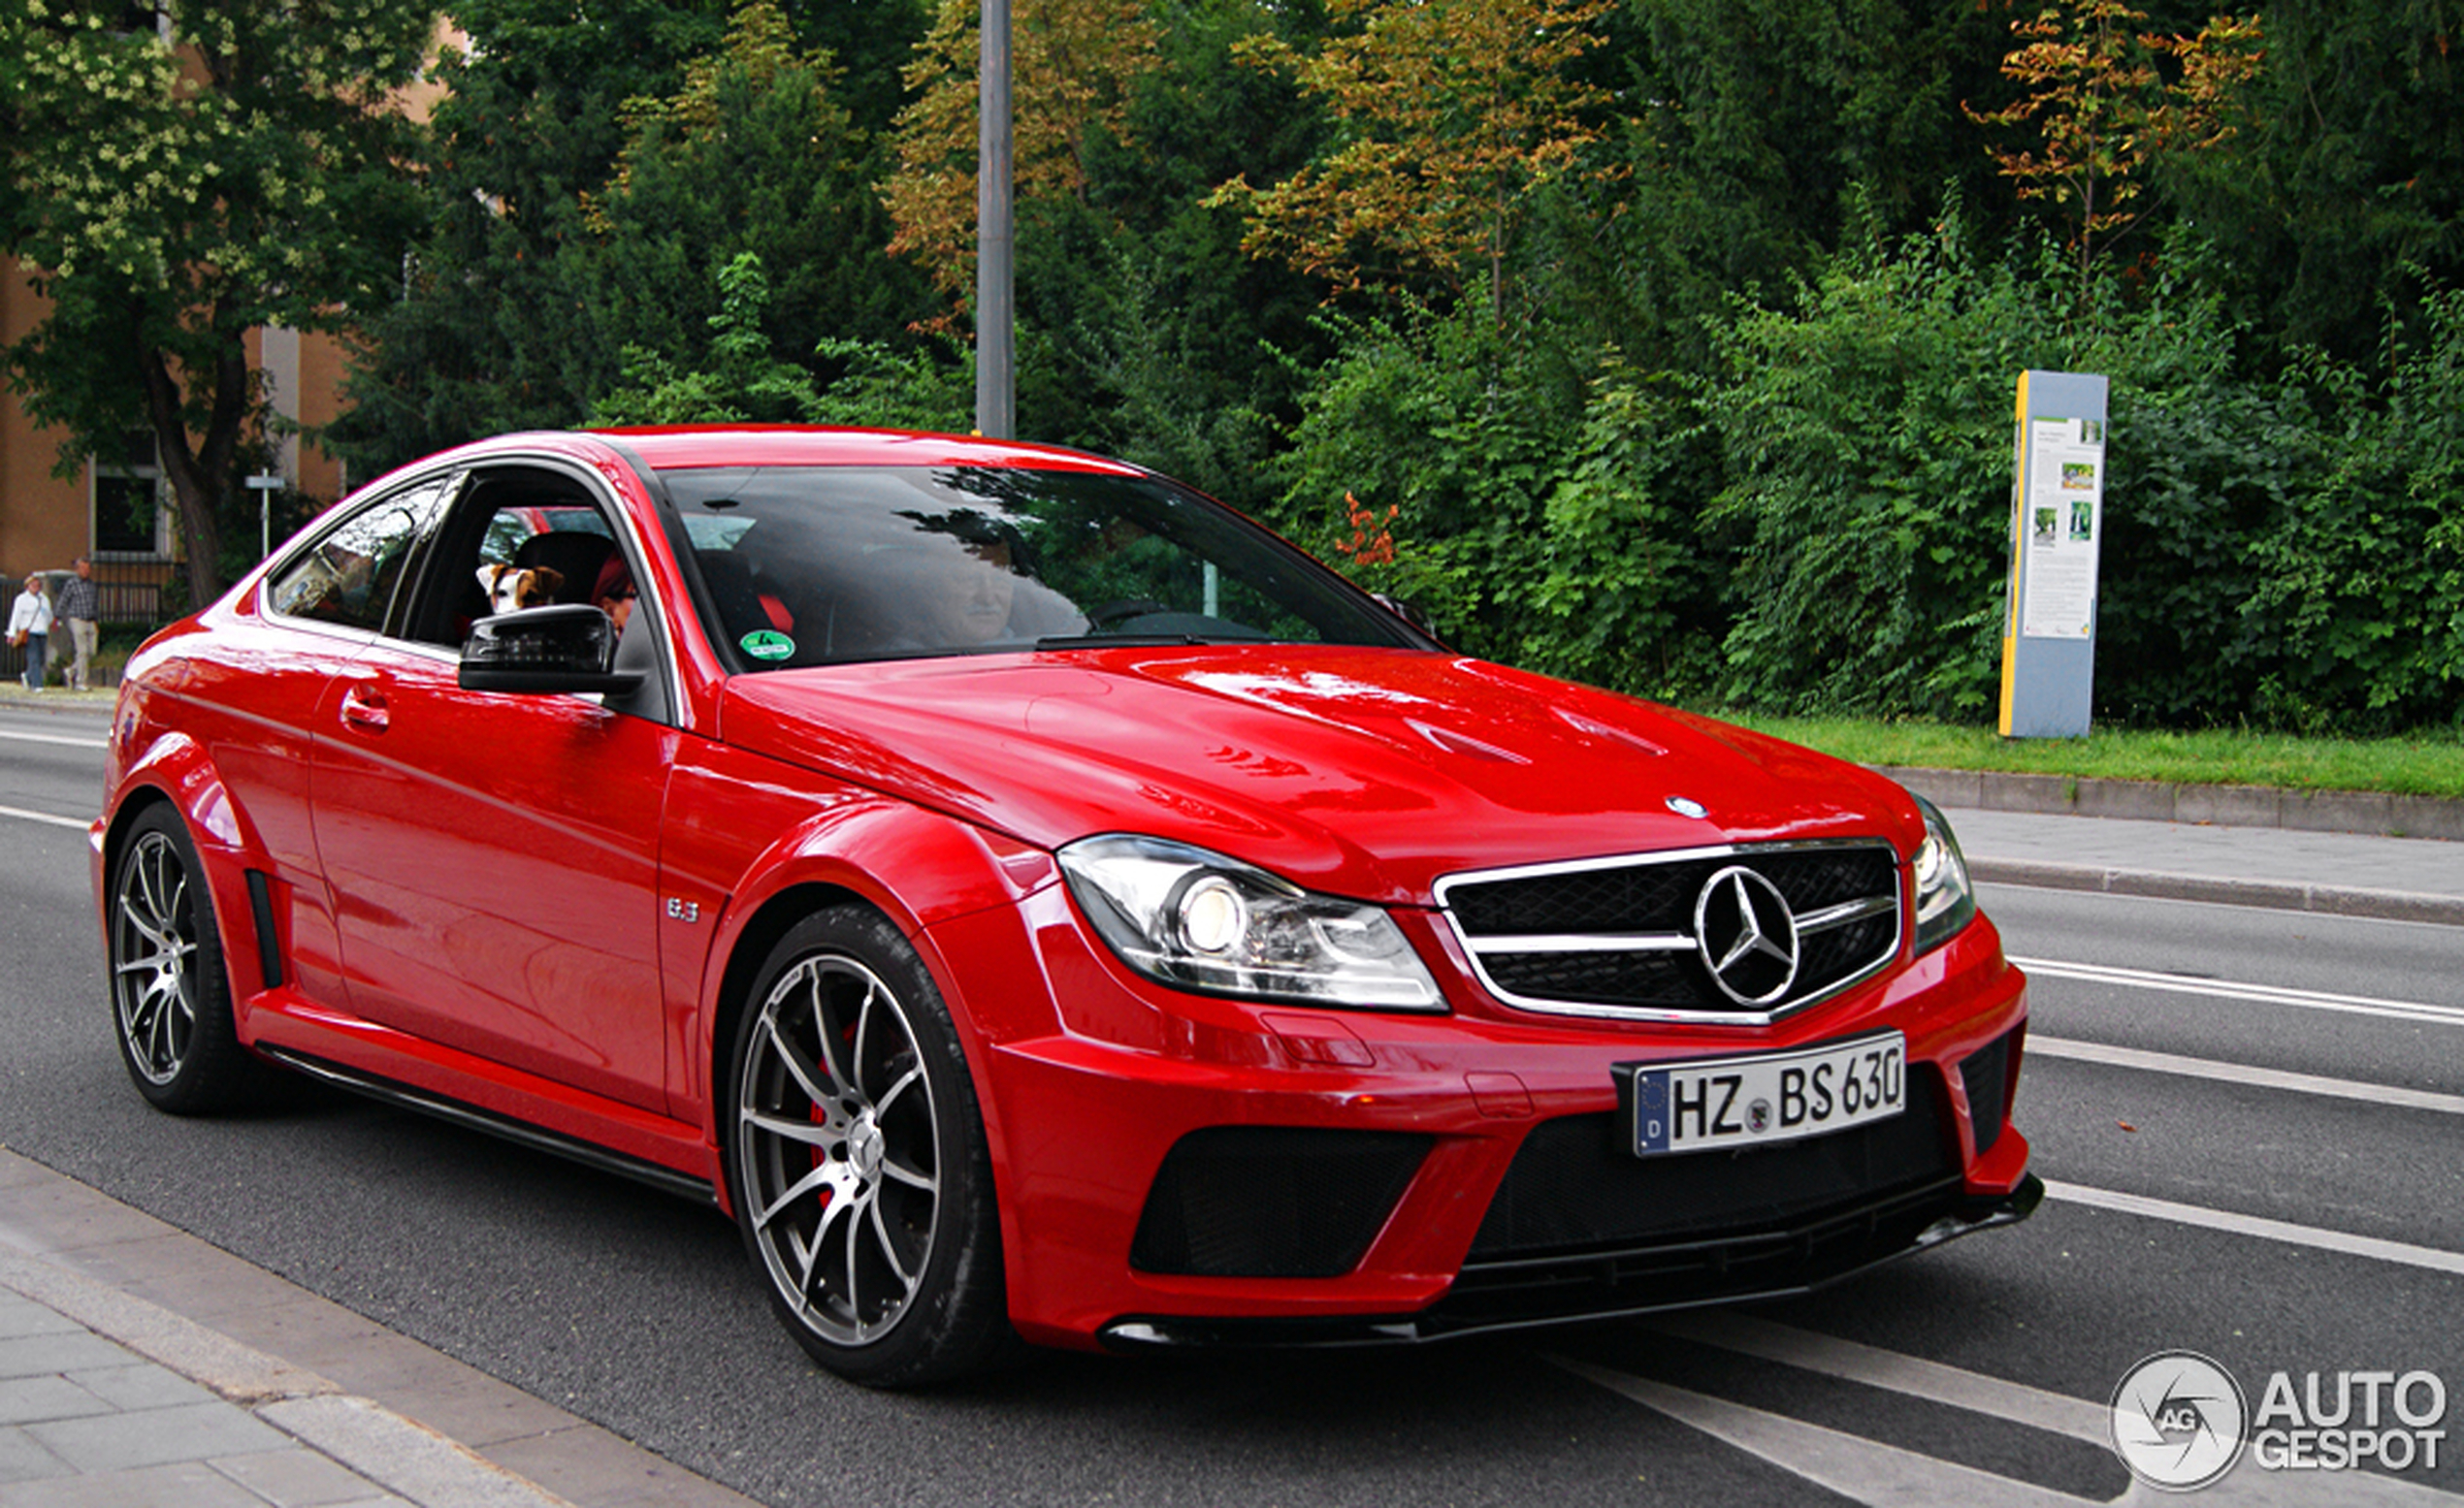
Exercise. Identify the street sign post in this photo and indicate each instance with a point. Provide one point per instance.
(2049, 633)
(265, 486)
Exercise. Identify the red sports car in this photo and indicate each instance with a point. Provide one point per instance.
(1038, 903)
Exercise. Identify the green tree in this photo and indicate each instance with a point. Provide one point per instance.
(2107, 101)
(171, 188)
(1073, 67)
(752, 153)
(743, 380)
(488, 327)
(1758, 137)
(2341, 198)
(1453, 113)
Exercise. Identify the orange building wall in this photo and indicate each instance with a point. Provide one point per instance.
(43, 520)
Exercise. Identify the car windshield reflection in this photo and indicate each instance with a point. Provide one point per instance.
(828, 565)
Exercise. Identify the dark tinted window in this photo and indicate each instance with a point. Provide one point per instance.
(810, 566)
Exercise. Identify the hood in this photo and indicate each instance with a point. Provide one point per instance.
(1360, 772)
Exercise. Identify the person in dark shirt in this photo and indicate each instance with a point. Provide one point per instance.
(81, 607)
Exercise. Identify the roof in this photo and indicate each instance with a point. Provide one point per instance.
(679, 447)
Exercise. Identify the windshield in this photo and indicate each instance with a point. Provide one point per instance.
(806, 565)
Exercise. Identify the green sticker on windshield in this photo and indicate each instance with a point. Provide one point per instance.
(766, 644)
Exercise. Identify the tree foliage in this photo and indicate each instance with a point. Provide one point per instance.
(742, 380)
(1453, 113)
(171, 189)
(1074, 65)
(2106, 100)
(1670, 343)
(488, 330)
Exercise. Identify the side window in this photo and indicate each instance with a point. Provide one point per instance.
(349, 576)
(519, 536)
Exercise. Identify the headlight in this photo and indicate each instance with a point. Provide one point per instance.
(1200, 922)
(1946, 901)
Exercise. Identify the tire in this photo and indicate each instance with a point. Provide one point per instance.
(171, 996)
(857, 1161)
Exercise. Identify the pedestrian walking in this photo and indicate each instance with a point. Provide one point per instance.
(81, 607)
(30, 626)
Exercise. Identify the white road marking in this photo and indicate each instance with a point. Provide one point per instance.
(78, 823)
(1891, 1477)
(2310, 1235)
(62, 739)
(2227, 989)
(1855, 1362)
(2244, 1073)
(1864, 1471)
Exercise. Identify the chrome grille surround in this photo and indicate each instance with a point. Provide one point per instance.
(1628, 947)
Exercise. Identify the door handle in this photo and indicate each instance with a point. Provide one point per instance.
(364, 709)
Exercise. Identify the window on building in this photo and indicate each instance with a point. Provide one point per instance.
(129, 516)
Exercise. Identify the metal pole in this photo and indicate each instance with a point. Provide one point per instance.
(995, 307)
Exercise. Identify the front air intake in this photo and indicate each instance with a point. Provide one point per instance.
(1273, 1200)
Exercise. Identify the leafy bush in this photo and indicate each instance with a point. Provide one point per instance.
(1867, 435)
(2362, 582)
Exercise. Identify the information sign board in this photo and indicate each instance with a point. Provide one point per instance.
(2057, 524)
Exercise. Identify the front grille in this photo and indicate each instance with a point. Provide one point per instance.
(1574, 1186)
(1582, 1226)
(1619, 936)
(1273, 1200)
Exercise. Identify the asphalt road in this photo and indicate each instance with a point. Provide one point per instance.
(2287, 1090)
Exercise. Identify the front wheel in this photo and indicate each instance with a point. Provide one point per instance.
(857, 1159)
(170, 999)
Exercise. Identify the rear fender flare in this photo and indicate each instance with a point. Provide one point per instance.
(176, 770)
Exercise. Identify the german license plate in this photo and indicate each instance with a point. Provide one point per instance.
(1768, 1097)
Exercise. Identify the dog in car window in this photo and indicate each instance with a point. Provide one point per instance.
(512, 588)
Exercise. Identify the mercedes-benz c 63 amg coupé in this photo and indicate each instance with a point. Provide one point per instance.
(1037, 903)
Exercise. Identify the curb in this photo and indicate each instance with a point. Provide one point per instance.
(2375, 814)
(2268, 895)
(400, 1456)
(423, 1430)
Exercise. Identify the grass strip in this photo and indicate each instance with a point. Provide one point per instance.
(2428, 764)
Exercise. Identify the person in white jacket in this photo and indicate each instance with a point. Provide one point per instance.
(30, 626)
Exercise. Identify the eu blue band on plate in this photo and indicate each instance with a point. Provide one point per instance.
(1651, 1111)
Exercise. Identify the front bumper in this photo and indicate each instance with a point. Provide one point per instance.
(1176, 1170)
(1777, 1264)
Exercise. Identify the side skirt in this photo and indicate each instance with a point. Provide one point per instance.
(667, 1180)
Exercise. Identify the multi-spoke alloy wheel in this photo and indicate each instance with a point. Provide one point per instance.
(856, 1157)
(170, 998)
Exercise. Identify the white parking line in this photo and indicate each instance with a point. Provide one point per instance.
(20, 813)
(1887, 1476)
(1862, 1470)
(1855, 1362)
(2310, 1235)
(2228, 990)
(61, 739)
(2244, 1073)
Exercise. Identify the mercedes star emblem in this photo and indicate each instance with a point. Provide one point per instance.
(1746, 935)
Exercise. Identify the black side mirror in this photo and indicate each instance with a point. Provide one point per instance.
(544, 649)
(1407, 611)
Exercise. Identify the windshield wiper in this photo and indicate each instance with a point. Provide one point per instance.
(1096, 641)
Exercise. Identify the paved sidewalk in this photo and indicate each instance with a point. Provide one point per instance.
(142, 1368)
(2343, 874)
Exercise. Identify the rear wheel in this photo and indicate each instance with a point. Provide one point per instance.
(170, 998)
(857, 1158)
